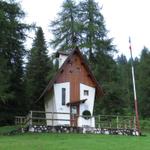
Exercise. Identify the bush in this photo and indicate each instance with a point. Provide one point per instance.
(145, 125)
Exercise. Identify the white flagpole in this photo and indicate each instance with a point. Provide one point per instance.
(134, 90)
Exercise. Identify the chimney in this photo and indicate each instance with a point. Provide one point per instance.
(62, 56)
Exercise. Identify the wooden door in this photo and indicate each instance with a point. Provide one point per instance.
(74, 113)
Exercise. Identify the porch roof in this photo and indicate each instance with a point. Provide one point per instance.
(76, 102)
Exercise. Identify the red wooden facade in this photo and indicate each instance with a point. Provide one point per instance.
(74, 70)
(75, 73)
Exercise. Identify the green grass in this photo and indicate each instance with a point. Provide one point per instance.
(47, 141)
(6, 129)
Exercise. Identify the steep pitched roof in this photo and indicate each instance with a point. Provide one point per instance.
(99, 91)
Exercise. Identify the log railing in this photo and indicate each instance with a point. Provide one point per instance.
(101, 121)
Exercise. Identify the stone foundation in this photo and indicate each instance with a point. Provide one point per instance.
(68, 129)
(54, 129)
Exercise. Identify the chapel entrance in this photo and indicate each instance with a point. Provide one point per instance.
(74, 113)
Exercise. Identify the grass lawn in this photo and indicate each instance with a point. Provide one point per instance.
(6, 129)
(48, 141)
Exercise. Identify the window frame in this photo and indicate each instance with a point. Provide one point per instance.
(63, 96)
(86, 92)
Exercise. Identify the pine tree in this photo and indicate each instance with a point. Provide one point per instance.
(12, 52)
(11, 39)
(93, 25)
(143, 83)
(108, 76)
(84, 23)
(37, 70)
(66, 27)
(125, 82)
(5, 93)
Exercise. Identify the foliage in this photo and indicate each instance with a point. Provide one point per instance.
(93, 34)
(12, 53)
(4, 81)
(106, 72)
(112, 103)
(82, 22)
(143, 69)
(6, 129)
(145, 125)
(11, 44)
(65, 27)
(37, 69)
(125, 80)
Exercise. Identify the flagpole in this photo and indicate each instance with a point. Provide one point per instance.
(134, 90)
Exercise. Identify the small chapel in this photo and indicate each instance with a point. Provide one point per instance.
(72, 92)
(69, 103)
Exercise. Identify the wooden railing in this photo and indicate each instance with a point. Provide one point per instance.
(20, 120)
(115, 121)
(39, 117)
(23, 120)
(101, 121)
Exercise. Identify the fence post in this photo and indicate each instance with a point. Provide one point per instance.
(134, 123)
(52, 118)
(21, 120)
(117, 119)
(131, 122)
(31, 116)
(15, 120)
(99, 121)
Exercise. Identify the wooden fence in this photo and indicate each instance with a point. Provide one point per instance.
(101, 121)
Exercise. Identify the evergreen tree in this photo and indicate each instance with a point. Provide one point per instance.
(12, 52)
(82, 22)
(66, 27)
(144, 83)
(37, 69)
(5, 93)
(94, 33)
(125, 82)
(108, 76)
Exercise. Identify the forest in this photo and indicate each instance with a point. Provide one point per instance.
(24, 73)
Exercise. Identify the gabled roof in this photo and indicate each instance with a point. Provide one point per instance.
(99, 91)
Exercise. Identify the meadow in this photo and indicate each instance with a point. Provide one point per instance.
(53, 141)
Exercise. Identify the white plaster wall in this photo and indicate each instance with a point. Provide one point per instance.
(54, 104)
(50, 106)
(62, 59)
(86, 122)
(58, 100)
(88, 105)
